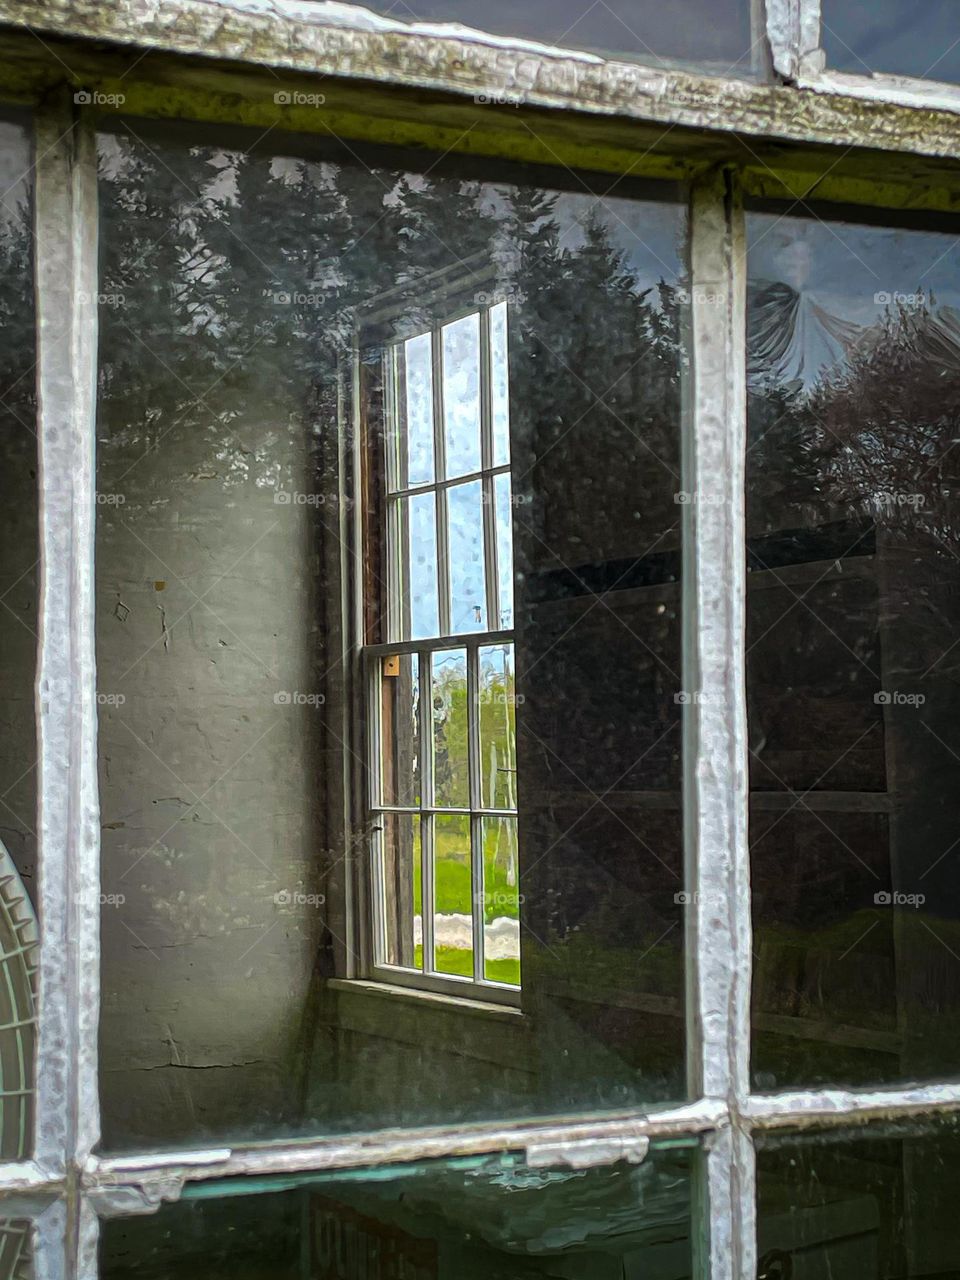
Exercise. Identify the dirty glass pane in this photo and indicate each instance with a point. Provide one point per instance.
(400, 727)
(401, 871)
(468, 1220)
(460, 343)
(500, 384)
(419, 603)
(19, 589)
(501, 900)
(452, 895)
(899, 37)
(853, 666)
(468, 593)
(239, 824)
(415, 386)
(503, 506)
(711, 34)
(451, 774)
(864, 1204)
(497, 716)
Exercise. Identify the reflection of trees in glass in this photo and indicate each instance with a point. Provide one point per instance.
(871, 441)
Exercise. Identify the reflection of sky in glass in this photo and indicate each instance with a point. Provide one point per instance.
(418, 383)
(468, 607)
(500, 388)
(504, 509)
(901, 37)
(422, 559)
(849, 273)
(461, 394)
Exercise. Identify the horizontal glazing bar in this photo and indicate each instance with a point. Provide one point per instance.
(450, 482)
(26, 1176)
(836, 1108)
(463, 813)
(620, 1133)
(467, 640)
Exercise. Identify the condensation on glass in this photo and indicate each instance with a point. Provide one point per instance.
(716, 37)
(19, 593)
(868, 1202)
(899, 37)
(853, 666)
(334, 400)
(471, 1220)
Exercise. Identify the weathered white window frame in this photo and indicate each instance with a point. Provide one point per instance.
(66, 1188)
(795, 28)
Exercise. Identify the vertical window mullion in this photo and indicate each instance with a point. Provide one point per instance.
(793, 32)
(715, 739)
(67, 1126)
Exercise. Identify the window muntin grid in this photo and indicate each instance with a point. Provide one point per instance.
(110, 1184)
(449, 576)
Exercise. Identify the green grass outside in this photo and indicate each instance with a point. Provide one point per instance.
(460, 963)
(452, 886)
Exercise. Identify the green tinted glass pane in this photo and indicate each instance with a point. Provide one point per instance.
(853, 661)
(245, 295)
(470, 1221)
(893, 36)
(862, 1205)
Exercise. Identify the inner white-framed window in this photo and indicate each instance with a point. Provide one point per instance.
(441, 684)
